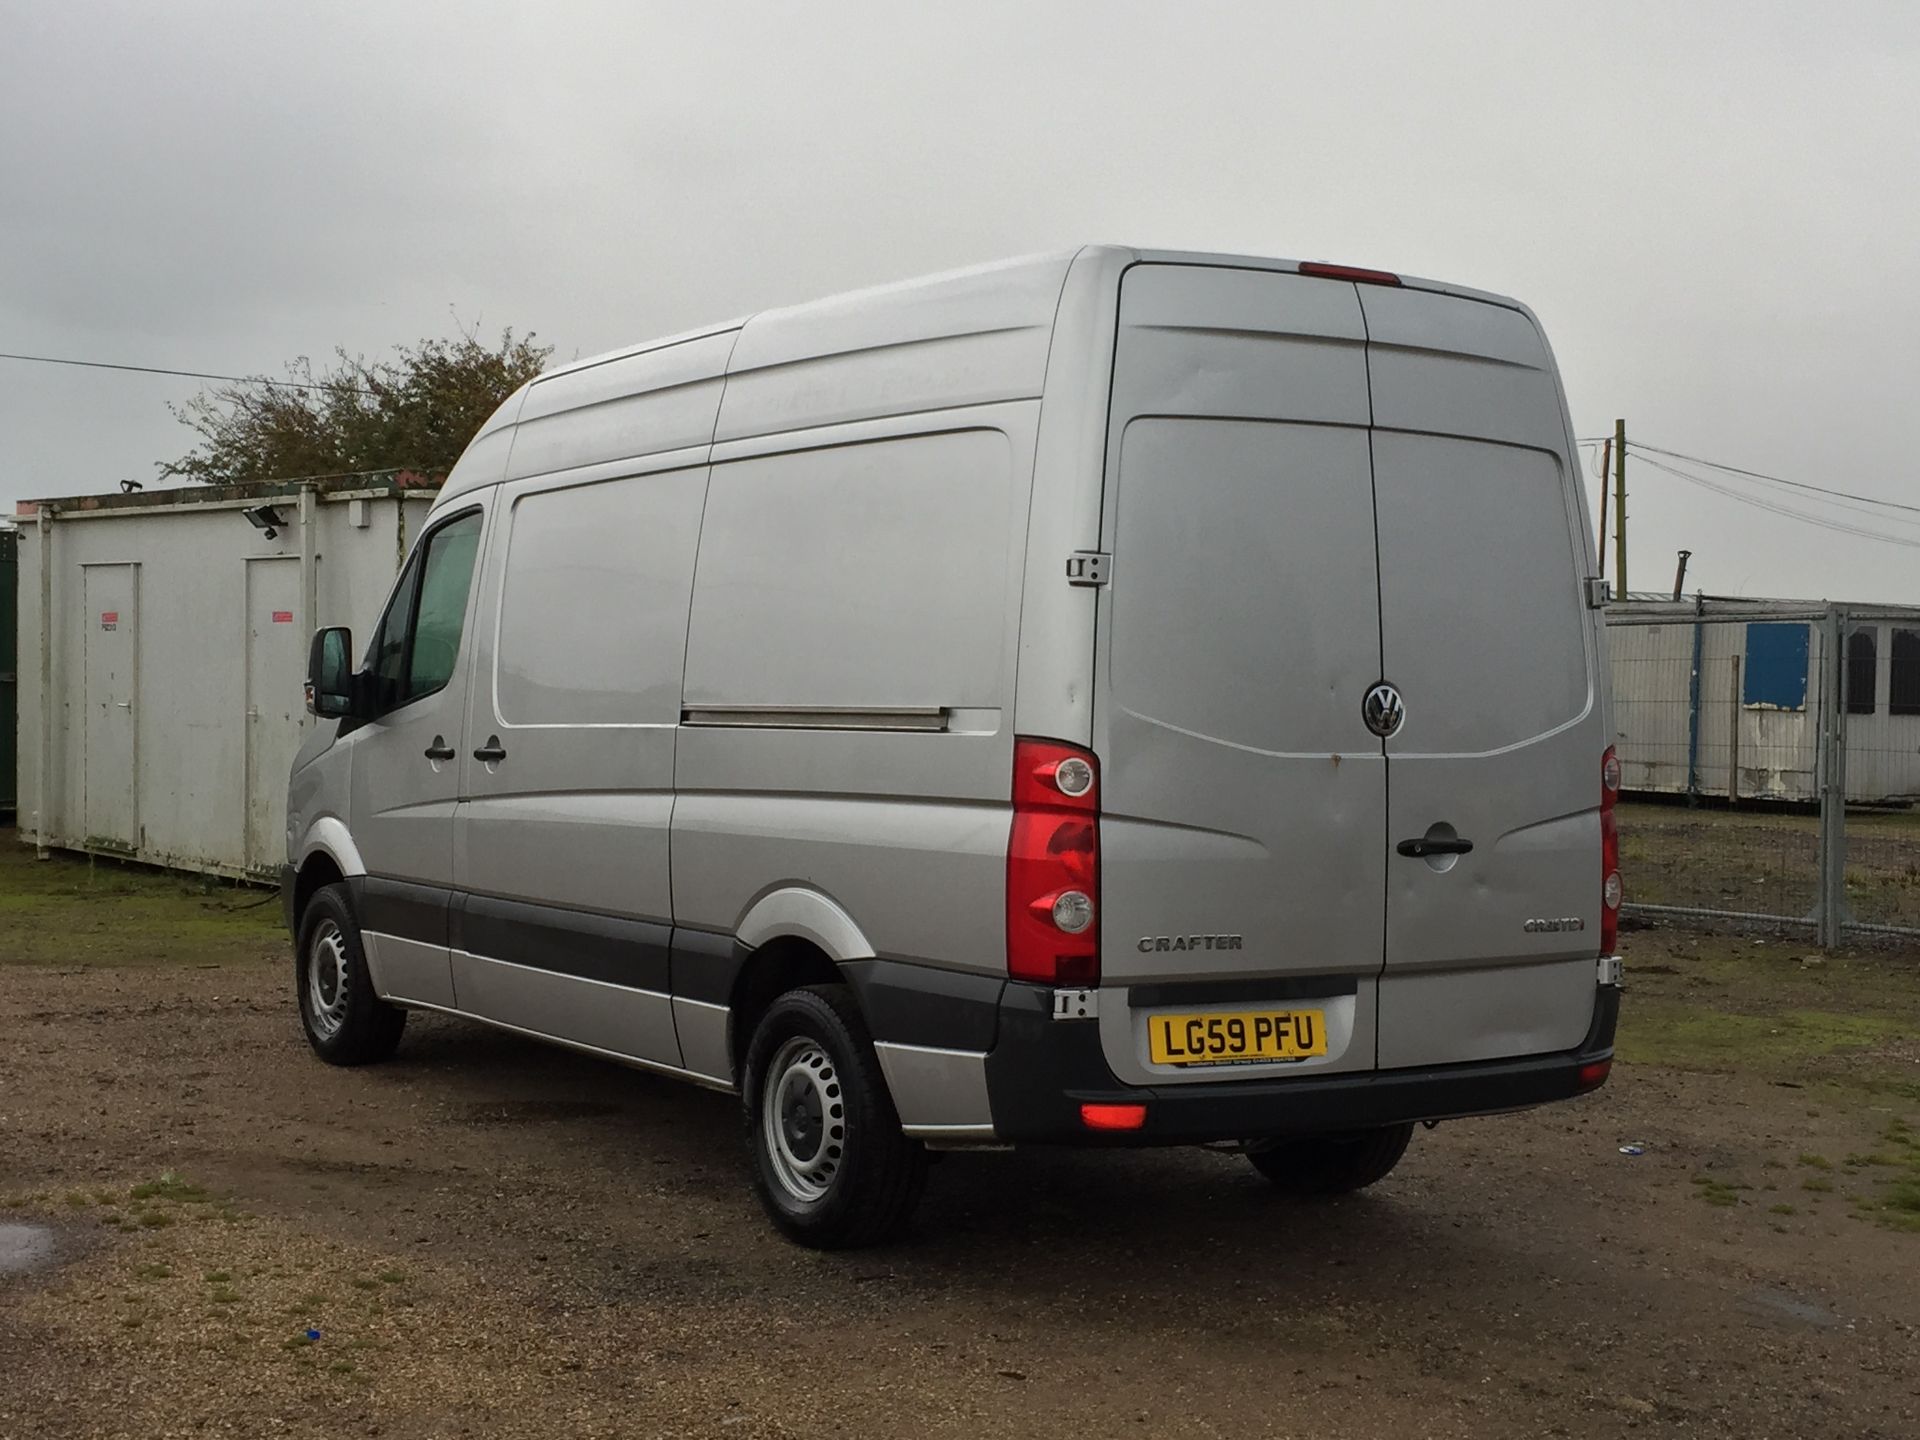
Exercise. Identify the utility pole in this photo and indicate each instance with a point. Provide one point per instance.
(1620, 506)
(1606, 464)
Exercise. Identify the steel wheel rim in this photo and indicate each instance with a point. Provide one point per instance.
(803, 1118)
(327, 979)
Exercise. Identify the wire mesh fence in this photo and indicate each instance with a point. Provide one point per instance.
(1770, 757)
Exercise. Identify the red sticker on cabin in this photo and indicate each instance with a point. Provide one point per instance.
(283, 617)
(109, 619)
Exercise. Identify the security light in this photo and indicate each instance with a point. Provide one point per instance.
(267, 518)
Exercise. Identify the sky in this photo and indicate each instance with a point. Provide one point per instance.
(1712, 207)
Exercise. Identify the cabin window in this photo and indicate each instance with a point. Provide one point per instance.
(1862, 671)
(1903, 673)
(1775, 677)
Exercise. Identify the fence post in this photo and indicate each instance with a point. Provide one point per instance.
(1830, 911)
(1733, 739)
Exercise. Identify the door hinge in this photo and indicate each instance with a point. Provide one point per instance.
(1088, 567)
(1599, 592)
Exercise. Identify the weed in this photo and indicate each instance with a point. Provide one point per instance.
(216, 1277)
(1717, 1192)
(1781, 1210)
(1857, 1162)
(170, 1187)
(155, 1219)
(1815, 1162)
(341, 1367)
(78, 1199)
(392, 1277)
(153, 1270)
(361, 1282)
(224, 1295)
(1817, 1185)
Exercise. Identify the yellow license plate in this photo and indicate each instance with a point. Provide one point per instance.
(1237, 1037)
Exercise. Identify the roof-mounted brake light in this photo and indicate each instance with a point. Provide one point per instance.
(1348, 272)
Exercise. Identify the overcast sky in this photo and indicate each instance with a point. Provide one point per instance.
(1714, 208)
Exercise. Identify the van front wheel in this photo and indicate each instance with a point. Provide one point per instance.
(345, 1021)
(830, 1163)
(1322, 1165)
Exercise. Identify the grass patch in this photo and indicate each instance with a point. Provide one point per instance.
(155, 1219)
(1782, 1210)
(1815, 1162)
(216, 1277)
(224, 1295)
(78, 910)
(1817, 1185)
(153, 1270)
(392, 1277)
(1716, 1191)
(171, 1187)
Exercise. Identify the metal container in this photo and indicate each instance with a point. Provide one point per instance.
(9, 678)
(161, 709)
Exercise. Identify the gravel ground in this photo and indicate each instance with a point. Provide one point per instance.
(488, 1237)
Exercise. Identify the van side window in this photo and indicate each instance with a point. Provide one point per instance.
(1862, 672)
(441, 613)
(418, 640)
(387, 654)
(1903, 666)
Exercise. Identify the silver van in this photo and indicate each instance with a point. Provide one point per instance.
(1113, 698)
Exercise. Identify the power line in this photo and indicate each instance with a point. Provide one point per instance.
(184, 374)
(1772, 479)
(1806, 517)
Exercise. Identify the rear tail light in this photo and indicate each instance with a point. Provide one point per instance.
(1348, 272)
(1592, 1076)
(1610, 888)
(1113, 1117)
(1053, 865)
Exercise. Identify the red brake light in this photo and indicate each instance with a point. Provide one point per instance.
(1593, 1076)
(1113, 1117)
(1348, 272)
(1611, 890)
(1053, 865)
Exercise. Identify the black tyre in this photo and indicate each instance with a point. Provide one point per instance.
(829, 1162)
(346, 1023)
(1320, 1165)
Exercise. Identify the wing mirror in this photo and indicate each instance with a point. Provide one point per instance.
(332, 688)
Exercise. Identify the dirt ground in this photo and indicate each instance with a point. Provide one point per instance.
(488, 1237)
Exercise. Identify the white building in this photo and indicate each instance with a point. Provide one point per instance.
(1725, 697)
(161, 707)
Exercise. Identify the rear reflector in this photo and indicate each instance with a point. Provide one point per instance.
(1593, 1076)
(1348, 272)
(1113, 1117)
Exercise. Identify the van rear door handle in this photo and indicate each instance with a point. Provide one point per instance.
(491, 751)
(439, 750)
(1421, 848)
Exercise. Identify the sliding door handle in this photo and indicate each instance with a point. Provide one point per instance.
(491, 751)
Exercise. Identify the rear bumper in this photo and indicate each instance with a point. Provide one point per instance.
(1040, 1071)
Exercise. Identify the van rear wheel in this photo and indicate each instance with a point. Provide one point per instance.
(1321, 1165)
(345, 1021)
(830, 1163)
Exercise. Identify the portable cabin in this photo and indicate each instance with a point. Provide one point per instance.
(161, 704)
(1724, 698)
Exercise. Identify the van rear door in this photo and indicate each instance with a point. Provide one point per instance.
(1486, 635)
(1243, 798)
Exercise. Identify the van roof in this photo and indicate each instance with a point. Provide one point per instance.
(1006, 296)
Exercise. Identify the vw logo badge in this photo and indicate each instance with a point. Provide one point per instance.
(1383, 710)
